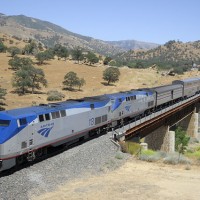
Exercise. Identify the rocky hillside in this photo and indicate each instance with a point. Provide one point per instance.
(50, 34)
(133, 44)
(171, 51)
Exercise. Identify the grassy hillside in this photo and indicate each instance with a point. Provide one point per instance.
(55, 71)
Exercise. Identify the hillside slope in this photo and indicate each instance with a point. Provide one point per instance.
(55, 71)
(172, 51)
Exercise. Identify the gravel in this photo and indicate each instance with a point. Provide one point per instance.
(91, 158)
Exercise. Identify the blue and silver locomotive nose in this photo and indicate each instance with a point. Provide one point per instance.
(6, 124)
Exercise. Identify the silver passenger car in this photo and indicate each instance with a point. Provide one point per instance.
(190, 86)
(167, 93)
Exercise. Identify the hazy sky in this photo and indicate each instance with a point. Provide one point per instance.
(155, 21)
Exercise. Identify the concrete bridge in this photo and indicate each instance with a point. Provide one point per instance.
(158, 128)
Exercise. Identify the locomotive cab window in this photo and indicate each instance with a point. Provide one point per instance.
(4, 122)
(22, 121)
(47, 116)
(41, 118)
(92, 106)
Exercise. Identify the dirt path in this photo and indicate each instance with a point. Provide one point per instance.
(136, 180)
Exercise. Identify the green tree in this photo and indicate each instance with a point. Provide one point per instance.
(2, 97)
(42, 56)
(14, 51)
(37, 79)
(107, 60)
(111, 75)
(21, 80)
(28, 77)
(16, 63)
(61, 51)
(30, 48)
(2, 47)
(77, 54)
(181, 140)
(139, 65)
(92, 58)
(71, 80)
(81, 83)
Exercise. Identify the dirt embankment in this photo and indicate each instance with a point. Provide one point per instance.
(136, 180)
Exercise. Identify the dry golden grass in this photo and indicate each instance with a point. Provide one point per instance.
(55, 71)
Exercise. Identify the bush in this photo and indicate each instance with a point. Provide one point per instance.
(133, 148)
(152, 156)
(54, 95)
(119, 156)
(194, 155)
(123, 146)
(175, 158)
(181, 140)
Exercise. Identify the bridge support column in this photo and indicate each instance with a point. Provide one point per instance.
(161, 139)
(190, 125)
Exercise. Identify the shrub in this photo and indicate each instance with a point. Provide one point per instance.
(54, 95)
(119, 156)
(150, 155)
(133, 148)
(123, 146)
(195, 154)
(181, 140)
(175, 158)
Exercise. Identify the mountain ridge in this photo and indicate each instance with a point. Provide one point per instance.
(49, 34)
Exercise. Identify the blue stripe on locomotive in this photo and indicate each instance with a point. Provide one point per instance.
(31, 113)
(120, 97)
(9, 131)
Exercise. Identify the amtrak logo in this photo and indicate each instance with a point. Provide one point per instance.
(128, 108)
(46, 129)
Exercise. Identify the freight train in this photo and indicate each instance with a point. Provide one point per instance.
(27, 133)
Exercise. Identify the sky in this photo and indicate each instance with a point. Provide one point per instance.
(156, 21)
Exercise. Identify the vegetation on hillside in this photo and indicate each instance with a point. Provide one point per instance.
(111, 75)
(172, 55)
(54, 95)
(71, 80)
(2, 97)
(28, 77)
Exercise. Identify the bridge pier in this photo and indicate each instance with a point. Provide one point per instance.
(161, 139)
(190, 125)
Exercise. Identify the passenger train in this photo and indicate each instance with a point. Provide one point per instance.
(27, 133)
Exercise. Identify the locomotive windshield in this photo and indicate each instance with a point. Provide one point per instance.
(4, 122)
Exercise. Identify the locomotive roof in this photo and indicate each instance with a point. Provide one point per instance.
(129, 93)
